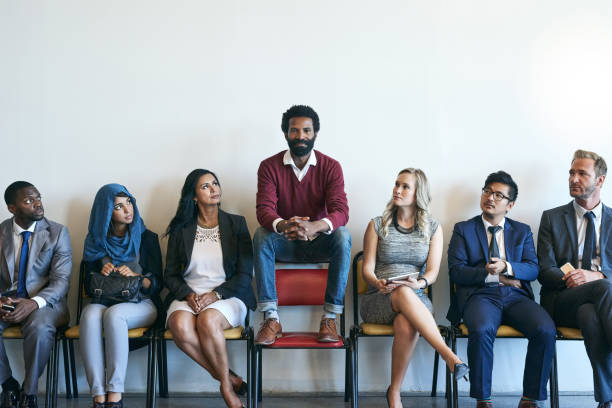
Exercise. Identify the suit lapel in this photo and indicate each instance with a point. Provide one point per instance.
(225, 233)
(604, 233)
(8, 248)
(41, 234)
(482, 237)
(508, 247)
(188, 240)
(570, 223)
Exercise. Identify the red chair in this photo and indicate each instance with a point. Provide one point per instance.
(301, 285)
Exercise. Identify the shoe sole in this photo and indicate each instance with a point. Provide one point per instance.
(328, 340)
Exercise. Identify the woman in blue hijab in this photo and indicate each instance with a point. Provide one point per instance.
(117, 241)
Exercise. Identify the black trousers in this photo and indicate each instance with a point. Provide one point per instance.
(589, 308)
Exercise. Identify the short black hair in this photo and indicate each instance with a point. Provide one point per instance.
(10, 194)
(300, 111)
(504, 178)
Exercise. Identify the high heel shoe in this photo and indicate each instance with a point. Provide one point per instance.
(387, 396)
(461, 371)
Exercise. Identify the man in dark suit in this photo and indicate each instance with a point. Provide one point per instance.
(579, 234)
(491, 262)
(35, 267)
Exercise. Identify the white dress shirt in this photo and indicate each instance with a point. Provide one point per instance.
(17, 241)
(499, 236)
(300, 174)
(581, 224)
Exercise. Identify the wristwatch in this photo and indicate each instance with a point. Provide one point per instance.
(219, 297)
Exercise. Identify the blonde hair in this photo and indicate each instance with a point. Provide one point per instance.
(423, 199)
(600, 164)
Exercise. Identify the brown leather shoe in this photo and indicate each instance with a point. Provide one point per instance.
(327, 331)
(270, 330)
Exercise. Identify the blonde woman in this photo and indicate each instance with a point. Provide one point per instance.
(402, 253)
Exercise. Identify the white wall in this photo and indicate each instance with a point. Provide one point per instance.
(141, 92)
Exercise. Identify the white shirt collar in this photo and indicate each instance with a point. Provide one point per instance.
(288, 160)
(18, 230)
(487, 224)
(580, 210)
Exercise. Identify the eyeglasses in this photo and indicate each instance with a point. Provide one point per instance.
(497, 196)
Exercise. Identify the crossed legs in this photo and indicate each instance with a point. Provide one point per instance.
(201, 338)
(413, 318)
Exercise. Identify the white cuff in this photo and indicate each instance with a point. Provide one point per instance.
(509, 271)
(491, 278)
(41, 302)
(275, 223)
(331, 226)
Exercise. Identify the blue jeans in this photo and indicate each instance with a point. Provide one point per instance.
(335, 248)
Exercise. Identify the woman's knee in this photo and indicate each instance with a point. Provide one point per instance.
(181, 326)
(402, 327)
(209, 322)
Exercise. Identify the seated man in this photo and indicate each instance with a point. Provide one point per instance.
(35, 267)
(491, 262)
(579, 233)
(302, 207)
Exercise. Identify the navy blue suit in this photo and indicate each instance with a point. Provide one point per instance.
(484, 308)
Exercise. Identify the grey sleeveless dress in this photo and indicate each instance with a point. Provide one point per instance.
(402, 250)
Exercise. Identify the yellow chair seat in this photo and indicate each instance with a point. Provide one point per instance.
(74, 333)
(372, 329)
(13, 332)
(502, 331)
(230, 334)
(570, 333)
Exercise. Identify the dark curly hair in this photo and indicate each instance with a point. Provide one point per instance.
(300, 111)
(504, 178)
(187, 210)
(10, 194)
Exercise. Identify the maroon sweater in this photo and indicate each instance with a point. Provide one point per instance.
(319, 195)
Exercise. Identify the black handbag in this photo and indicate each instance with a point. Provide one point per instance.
(114, 288)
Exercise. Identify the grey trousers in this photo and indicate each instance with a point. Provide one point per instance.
(106, 368)
(38, 331)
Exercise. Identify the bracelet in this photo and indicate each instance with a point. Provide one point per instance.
(219, 297)
(426, 281)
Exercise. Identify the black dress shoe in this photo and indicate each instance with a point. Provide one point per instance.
(9, 399)
(605, 404)
(28, 401)
(116, 404)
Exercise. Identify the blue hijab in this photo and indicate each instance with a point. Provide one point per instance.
(99, 242)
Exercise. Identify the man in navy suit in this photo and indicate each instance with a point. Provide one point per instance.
(491, 262)
(579, 233)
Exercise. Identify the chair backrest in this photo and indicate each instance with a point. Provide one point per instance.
(303, 287)
(360, 286)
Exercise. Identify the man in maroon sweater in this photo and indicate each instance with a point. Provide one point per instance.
(302, 209)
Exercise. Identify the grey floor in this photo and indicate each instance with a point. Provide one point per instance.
(308, 401)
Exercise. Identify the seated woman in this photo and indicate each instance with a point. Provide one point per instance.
(209, 267)
(405, 240)
(117, 241)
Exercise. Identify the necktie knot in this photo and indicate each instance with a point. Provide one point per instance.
(26, 235)
(589, 216)
(493, 229)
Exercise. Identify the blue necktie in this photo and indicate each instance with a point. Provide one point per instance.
(590, 246)
(23, 264)
(493, 248)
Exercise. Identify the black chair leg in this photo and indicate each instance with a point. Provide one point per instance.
(455, 388)
(249, 368)
(75, 387)
(259, 375)
(554, 383)
(434, 381)
(151, 373)
(347, 374)
(254, 384)
(162, 363)
(66, 368)
(355, 371)
(55, 376)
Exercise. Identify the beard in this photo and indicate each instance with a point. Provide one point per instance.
(586, 192)
(301, 151)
